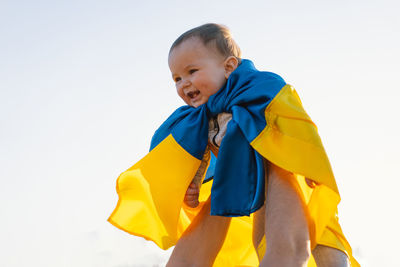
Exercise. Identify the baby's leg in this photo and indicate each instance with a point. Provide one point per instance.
(286, 227)
(201, 242)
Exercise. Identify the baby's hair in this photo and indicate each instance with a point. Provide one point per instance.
(216, 33)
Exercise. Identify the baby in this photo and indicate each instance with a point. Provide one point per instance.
(272, 181)
(201, 61)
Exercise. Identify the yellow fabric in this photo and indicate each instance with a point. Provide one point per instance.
(151, 204)
(151, 192)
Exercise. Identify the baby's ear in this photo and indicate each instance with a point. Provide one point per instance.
(230, 65)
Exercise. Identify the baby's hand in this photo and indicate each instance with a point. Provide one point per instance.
(192, 196)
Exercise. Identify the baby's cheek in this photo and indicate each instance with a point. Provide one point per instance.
(187, 101)
(182, 96)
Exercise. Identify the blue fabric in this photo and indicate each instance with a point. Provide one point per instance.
(211, 169)
(239, 179)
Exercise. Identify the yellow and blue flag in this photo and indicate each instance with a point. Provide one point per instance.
(268, 121)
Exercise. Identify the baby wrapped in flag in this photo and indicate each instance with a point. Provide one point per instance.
(264, 128)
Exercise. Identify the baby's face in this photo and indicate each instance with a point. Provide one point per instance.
(198, 71)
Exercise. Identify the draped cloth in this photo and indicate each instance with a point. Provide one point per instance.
(268, 120)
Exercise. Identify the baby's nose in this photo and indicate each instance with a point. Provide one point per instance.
(185, 83)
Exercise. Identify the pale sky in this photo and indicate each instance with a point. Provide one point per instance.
(84, 84)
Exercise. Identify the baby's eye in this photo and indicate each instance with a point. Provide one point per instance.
(192, 71)
(177, 79)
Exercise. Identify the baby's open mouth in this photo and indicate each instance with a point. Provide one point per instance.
(193, 94)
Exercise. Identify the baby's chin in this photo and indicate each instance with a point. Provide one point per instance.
(197, 103)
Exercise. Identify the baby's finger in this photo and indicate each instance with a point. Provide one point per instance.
(311, 183)
(192, 191)
(192, 204)
(193, 185)
(191, 197)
